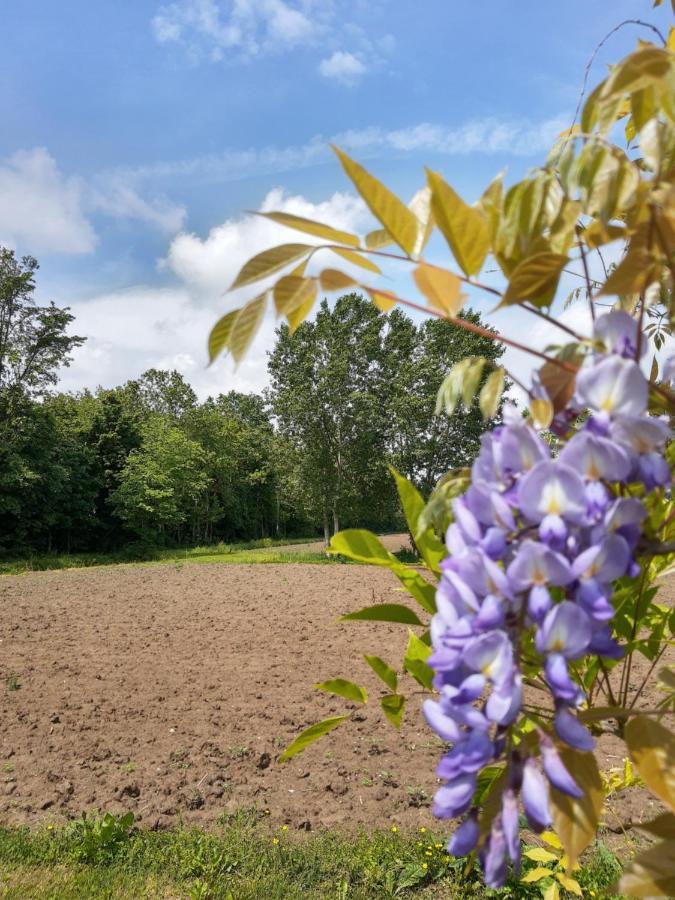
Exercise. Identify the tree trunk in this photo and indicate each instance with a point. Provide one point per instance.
(336, 523)
(326, 527)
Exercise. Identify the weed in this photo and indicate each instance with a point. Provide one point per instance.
(12, 682)
(99, 838)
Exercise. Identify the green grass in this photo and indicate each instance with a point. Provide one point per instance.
(247, 860)
(264, 551)
(260, 551)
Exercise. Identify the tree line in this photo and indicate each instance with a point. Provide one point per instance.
(146, 463)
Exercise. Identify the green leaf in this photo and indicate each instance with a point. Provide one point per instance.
(441, 288)
(576, 820)
(342, 688)
(383, 612)
(417, 652)
(299, 223)
(246, 325)
(429, 546)
(535, 279)
(383, 300)
(362, 546)
(491, 393)
(270, 261)
(292, 292)
(398, 220)
(385, 672)
(379, 238)
(472, 378)
(356, 259)
(311, 734)
(220, 334)
(651, 874)
(393, 706)
(417, 587)
(638, 70)
(570, 884)
(652, 749)
(464, 227)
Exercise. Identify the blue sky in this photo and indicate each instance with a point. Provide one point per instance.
(135, 134)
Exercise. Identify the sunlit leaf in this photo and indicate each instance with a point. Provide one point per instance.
(416, 654)
(399, 221)
(393, 706)
(357, 259)
(246, 325)
(420, 205)
(570, 884)
(491, 393)
(299, 223)
(464, 227)
(645, 66)
(383, 612)
(537, 874)
(491, 202)
(311, 734)
(385, 672)
(632, 275)
(270, 261)
(551, 838)
(220, 334)
(539, 854)
(552, 892)
(379, 238)
(472, 378)
(362, 546)
(383, 300)
(343, 688)
(652, 749)
(293, 292)
(651, 874)
(559, 384)
(441, 288)
(535, 279)
(334, 280)
(541, 410)
(576, 820)
(431, 549)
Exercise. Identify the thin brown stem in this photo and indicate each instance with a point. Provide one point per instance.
(657, 658)
(587, 276)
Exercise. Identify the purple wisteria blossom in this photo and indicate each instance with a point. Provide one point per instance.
(536, 545)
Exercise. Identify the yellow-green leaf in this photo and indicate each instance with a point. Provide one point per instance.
(537, 874)
(464, 227)
(383, 300)
(633, 274)
(576, 820)
(220, 334)
(311, 734)
(297, 316)
(383, 612)
(491, 393)
(246, 325)
(472, 379)
(645, 66)
(292, 292)
(299, 223)
(379, 238)
(552, 892)
(384, 671)
(270, 261)
(399, 221)
(420, 205)
(541, 410)
(551, 838)
(651, 874)
(334, 280)
(535, 279)
(343, 688)
(393, 706)
(539, 854)
(652, 749)
(362, 546)
(570, 884)
(357, 259)
(441, 288)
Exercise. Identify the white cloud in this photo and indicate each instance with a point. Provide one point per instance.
(167, 327)
(42, 208)
(342, 66)
(250, 27)
(489, 136)
(45, 211)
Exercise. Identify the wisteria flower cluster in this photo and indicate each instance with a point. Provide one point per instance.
(536, 543)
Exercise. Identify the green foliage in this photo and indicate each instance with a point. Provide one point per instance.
(248, 859)
(97, 839)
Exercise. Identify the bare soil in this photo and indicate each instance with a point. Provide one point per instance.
(172, 689)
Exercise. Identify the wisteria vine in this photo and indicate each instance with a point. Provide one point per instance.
(534, 548)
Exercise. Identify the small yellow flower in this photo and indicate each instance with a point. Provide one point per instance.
(422, 829)
(424, 866)
(394, 829)
(428, 853)
(592, 893)
(284, 827)
(438, 846)
(420, 844)
(275, 840)
(50, 827)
